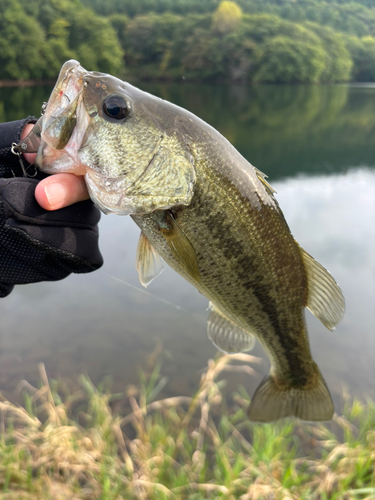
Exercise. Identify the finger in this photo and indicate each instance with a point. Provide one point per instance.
(60, 190)
(29, 157)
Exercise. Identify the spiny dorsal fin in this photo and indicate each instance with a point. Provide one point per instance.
(262, 177)
(325, 299)
(225, 335)
(148, 262)
(180, 246)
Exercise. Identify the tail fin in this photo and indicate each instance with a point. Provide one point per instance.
(270, 403)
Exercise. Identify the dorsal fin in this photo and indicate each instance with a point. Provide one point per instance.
(325, 299)
(226, 335)
(262, 177)
(148, 262)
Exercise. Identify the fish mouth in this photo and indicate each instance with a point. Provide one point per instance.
(68, 86)
(56, 124)
(61, 138)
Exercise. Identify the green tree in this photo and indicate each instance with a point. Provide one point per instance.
(149, 36)
(227, 17)
(363, 54)
(120, 24)
(261, 27)
(72, 30)
(155, 44)
(95, 43)
(58, 47)
(339, 62)
(284, 61)
(22, 44)
(240, 56)
(203, 57)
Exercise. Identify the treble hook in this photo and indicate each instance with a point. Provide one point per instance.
(17, 150)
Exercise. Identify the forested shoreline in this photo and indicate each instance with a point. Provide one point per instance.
(257, 41)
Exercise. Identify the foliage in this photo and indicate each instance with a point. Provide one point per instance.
(195, 47)
(179, 447)
(284, 61)
(362, 51)
(280, 41)
(148, 37)
(226, 17)
(338, 65)
(94, 41)
(355, 17)
(18, 58)
(38, 36)
(120, 24)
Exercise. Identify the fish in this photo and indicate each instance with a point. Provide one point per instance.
(209, 214)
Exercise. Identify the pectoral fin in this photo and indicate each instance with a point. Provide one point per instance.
(226, 335)
(148, 262)
(325, 299)
(180, 246)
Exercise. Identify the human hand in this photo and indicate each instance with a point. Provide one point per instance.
(40, 245)
(58, 190)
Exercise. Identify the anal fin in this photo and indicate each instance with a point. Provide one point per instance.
(148, 262)
(226, 335)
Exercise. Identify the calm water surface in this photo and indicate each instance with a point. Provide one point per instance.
(317, 146)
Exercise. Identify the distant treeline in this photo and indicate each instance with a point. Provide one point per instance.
(280, 41)
(356, 17)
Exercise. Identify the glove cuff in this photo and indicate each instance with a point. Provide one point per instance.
(11, 132)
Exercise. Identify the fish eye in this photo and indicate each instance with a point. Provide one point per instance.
(115, 107)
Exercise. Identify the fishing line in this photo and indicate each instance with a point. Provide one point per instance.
(145, 292)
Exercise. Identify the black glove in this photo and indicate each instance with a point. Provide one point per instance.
(37, 245)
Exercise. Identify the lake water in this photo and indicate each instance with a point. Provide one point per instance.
(316, 143)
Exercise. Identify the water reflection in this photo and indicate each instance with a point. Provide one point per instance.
(17, 103)
(287, 130)
(283, 130)
(308, 139)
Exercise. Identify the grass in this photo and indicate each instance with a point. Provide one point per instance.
(65, 446)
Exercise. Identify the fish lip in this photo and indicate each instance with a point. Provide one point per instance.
(68, 91)
(69, 85)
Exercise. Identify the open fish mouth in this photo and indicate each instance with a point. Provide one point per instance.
(68, 86)
(55, 137)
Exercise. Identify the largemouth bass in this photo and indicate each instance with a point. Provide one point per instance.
(209, 214)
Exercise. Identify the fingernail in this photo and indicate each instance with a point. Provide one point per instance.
(56, 194)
